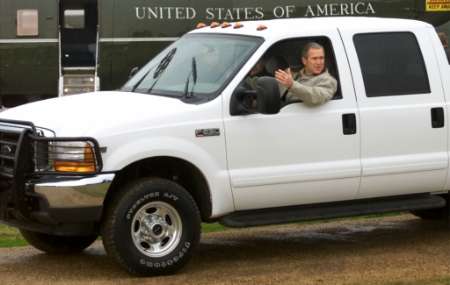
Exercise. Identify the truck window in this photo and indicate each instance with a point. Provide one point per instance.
(287, 54)
(395, 67)
(197, 66)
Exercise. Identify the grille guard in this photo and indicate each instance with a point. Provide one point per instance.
(18, 140)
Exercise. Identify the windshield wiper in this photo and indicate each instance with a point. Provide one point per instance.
(162, 65)
(135, 86)
(193, 73)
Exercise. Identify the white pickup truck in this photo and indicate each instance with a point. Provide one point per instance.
(186, 142)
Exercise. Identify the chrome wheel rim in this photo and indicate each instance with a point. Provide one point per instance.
(156, 229)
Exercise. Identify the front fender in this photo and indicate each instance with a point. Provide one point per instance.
(209, 159)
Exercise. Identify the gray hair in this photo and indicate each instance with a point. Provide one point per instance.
(308, 46)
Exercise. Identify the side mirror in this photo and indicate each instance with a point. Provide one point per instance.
(242, 101)
(265, 99)
(268, 96)
(133, 71)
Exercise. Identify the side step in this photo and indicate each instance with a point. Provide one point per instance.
(291, 214)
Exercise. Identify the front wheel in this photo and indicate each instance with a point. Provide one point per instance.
(54, 244)
(152, 227)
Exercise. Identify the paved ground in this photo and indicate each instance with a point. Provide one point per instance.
(390, 250)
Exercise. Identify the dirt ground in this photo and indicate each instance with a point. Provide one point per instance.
(390, 250)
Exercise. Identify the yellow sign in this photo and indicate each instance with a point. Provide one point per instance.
(437, 5)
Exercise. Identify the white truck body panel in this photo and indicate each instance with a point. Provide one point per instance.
(400, 152)
(286, 167)
(261, 161)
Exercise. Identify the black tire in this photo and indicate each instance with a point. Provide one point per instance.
(438, 214)
(53, 244)
(129, 237)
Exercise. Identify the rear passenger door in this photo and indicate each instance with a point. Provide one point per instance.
(401, 104)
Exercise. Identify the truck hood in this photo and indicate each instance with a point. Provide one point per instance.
(95, 113)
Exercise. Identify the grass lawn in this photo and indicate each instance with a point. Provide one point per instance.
(10, 237)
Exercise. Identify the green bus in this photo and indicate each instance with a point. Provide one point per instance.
(52, 48)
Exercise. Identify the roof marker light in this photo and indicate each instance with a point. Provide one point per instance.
(226, 25)
(214, 25)
(261, 27)
(200, 25)
(238, 25)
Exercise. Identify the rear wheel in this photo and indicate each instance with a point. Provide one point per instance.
(57, 244)
(152, 227)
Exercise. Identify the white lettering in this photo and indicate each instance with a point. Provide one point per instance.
(228, 15)
(179, 13)
(334, 9)
(238, 13)
(344, 9)
(370, 9)
(357, 8)
(169, 15)
(260, 12)
(290, 10)
(309, 12)
(210, 14)
(138, 16)
(278, 12)
(191, 13)
(152, 12)
(340, 9)
(322, 11)
(247, 13)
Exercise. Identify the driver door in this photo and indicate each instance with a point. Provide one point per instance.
(298, 156)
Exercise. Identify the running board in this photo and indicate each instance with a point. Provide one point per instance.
(291, 214)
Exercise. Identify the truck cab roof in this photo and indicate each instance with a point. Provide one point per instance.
(286, 27)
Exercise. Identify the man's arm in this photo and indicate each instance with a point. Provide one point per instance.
(314, 95)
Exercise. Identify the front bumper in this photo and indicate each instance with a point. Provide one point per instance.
(70, 200)
(78, 193)
(63, 205)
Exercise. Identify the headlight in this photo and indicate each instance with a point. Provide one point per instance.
(72, 156)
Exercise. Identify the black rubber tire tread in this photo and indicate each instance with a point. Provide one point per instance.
(53, 244)
(431, 214)
(115, 238)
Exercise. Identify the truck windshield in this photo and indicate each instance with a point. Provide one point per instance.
(196, 67)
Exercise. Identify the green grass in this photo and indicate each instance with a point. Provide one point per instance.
(210, 228)
(10, 237)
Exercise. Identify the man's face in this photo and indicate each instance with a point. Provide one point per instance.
(314, 63)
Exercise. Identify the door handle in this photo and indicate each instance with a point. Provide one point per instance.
(437, 117)
(349, 124)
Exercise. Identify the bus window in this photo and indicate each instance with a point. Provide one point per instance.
(27, 23)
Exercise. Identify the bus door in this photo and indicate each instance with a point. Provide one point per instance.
(78, 44)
